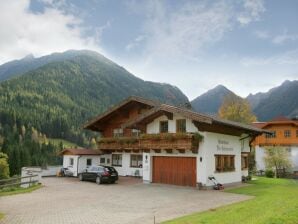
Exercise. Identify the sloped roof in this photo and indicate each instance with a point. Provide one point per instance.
(148, 102)
(157, 107)
(80, 152)
(195, 116)
(281, 120)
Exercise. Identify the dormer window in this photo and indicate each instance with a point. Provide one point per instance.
(118, 132)
(163, 127)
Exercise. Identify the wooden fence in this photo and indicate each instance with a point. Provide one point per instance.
(18, 181)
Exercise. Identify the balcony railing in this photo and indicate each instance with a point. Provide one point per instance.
(167, 141)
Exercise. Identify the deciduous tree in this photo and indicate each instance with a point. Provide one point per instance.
(278, 158)
(4, 167)
(235, 108)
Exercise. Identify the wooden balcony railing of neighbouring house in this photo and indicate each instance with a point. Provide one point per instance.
(157, 142)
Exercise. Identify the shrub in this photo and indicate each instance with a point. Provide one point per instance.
(269, 173)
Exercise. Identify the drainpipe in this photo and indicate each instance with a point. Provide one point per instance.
(78, 165)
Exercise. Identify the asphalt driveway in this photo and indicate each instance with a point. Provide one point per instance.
(66, 200)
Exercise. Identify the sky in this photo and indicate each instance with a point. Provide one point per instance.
(249, 46)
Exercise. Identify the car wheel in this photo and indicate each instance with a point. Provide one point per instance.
(81, 177)
(98, 181)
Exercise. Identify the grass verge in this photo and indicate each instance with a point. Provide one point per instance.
(275, 202)
(18, 190)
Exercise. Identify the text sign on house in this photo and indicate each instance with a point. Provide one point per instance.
(223, 145)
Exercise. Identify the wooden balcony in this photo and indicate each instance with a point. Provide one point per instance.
(146, 142)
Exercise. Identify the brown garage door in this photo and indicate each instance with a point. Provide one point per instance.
(174, 170)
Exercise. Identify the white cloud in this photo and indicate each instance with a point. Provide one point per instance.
(286, 58)
(280, 39)
(276, 39)
(184, 31)
(262, 34)
(135, 43)
(252, 12)
(23, 32)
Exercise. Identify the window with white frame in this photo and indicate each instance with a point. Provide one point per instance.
(117, 160)
(118, 132)
(136, 160)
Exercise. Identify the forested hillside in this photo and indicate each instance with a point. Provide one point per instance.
(59, 97)
(53, 96)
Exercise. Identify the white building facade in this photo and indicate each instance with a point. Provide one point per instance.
(78, 160)
(168, 150)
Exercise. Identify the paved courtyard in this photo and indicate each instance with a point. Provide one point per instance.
(66, 200)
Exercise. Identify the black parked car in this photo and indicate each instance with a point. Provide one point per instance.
(100, 174)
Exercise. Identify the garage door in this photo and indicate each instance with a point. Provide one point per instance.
(174, 170)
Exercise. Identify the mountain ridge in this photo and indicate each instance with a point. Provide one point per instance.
(58, 97)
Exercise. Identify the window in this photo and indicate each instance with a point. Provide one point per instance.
(224, 163)
(102, 160)
(71, 161)
(136, 161)
(118, 132)
(108, 161)
(135, 133)
(89, 162)
(287, 133)
(244, 161)
(273, 135)
(181, 125)
(163, 127)
(297, 133)
(116, 160)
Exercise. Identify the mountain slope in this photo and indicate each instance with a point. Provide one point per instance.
(28, 63)
(59, 97)
(210, 101)
(281, 100)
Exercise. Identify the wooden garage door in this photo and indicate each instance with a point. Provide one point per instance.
(174, 170)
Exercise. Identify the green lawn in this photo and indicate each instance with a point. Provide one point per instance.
(18, 190)
(275, 202)
(1, 215)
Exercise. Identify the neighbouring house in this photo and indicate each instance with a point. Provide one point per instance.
(284, 134)
(172, 145)
(77, 160)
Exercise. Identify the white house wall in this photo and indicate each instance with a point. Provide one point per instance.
(211, 147)
(66, 163)
(82, 160)
(125, 169)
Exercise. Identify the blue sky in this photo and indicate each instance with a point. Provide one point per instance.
(247, 45)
